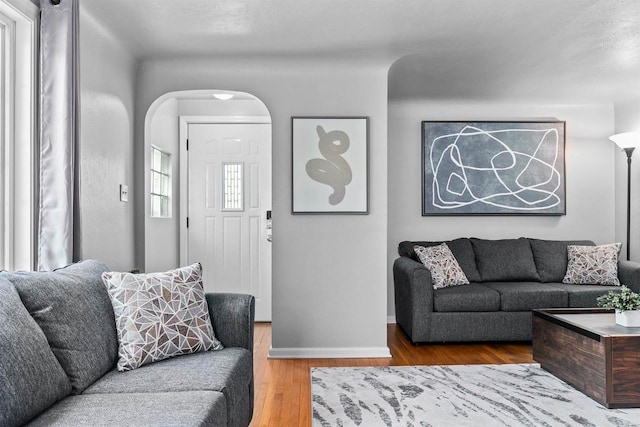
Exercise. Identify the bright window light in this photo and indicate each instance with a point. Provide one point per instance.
(18, 131)
(160, 184)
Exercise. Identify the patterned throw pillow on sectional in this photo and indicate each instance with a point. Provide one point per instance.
(593, 265)
(443, 266)
(159, 315)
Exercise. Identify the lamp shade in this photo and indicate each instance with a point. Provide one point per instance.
(626, 139)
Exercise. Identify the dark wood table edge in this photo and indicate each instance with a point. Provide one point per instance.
(548, 314)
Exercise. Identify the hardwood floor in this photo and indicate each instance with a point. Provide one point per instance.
(283, 386)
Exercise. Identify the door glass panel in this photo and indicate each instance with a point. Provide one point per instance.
(232, 187)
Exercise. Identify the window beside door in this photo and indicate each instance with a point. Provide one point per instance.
(160, 184)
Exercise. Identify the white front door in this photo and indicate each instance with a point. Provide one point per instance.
(229, 195)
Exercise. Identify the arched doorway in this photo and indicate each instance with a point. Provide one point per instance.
(210, 152)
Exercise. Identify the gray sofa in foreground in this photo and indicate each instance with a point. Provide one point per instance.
(58, 352)
(509, 278)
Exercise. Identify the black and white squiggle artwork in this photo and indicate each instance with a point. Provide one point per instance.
(330, 164)
(332, 170)
(493, 168)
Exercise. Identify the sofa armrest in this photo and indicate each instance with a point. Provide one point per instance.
(232, 317)
(413, 297)
(629, 274)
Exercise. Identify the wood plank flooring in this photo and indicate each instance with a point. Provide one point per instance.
(283, 387)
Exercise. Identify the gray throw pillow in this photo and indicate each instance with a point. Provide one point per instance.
(31, 379)
(73, 309)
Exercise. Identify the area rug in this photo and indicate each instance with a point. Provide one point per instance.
(462, 395)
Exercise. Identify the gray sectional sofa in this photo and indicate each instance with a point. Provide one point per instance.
(58, 351)
(508, 279)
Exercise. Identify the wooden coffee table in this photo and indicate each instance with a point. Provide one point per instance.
(585, 348)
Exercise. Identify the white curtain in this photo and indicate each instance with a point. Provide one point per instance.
(59, 120)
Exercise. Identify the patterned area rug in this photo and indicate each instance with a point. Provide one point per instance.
(463, 395)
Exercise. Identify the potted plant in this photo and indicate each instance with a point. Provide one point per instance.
(626, 303)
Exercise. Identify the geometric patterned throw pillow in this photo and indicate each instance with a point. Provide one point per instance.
(443, 266)
(593, 265)
(159, 315)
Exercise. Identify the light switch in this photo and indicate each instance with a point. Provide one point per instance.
(124, 193)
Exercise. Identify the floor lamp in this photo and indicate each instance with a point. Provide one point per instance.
(627, 141)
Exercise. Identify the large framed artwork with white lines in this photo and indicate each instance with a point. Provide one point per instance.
(493, 168)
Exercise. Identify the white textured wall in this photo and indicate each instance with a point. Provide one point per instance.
(589, 175)
(213, 107)
(107, 75)
(161, 234)
(329, 271)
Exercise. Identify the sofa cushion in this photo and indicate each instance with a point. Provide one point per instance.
(584, 296)
(593, 265)
(551, 257)
(505, 260)
(461, 249)
(160, 315)
(445, 270)
(31, 379)
(474, 297)
(189, 408)
(229, 371)
(524, 296)
(72, 307)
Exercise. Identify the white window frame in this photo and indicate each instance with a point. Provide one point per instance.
(19, 23)
(167, 174)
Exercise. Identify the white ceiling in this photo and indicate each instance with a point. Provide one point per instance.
(568, 49)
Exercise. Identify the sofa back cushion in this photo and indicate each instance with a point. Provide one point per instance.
(31, 379)
(72, 307)
(551, 257)
(508, 260)
(461, 249)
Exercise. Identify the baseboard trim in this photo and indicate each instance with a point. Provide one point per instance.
(329, 353)
(391, 319)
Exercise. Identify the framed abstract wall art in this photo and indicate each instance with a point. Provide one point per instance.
(493, 168)
(330, 165)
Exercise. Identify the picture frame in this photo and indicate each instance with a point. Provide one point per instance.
(330, 165)
(493, 168)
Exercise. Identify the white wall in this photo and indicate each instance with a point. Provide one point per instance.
(329, 271)
(589, 175)
(211, 107)
(161, 234)
(627, 116)
(107, 75)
